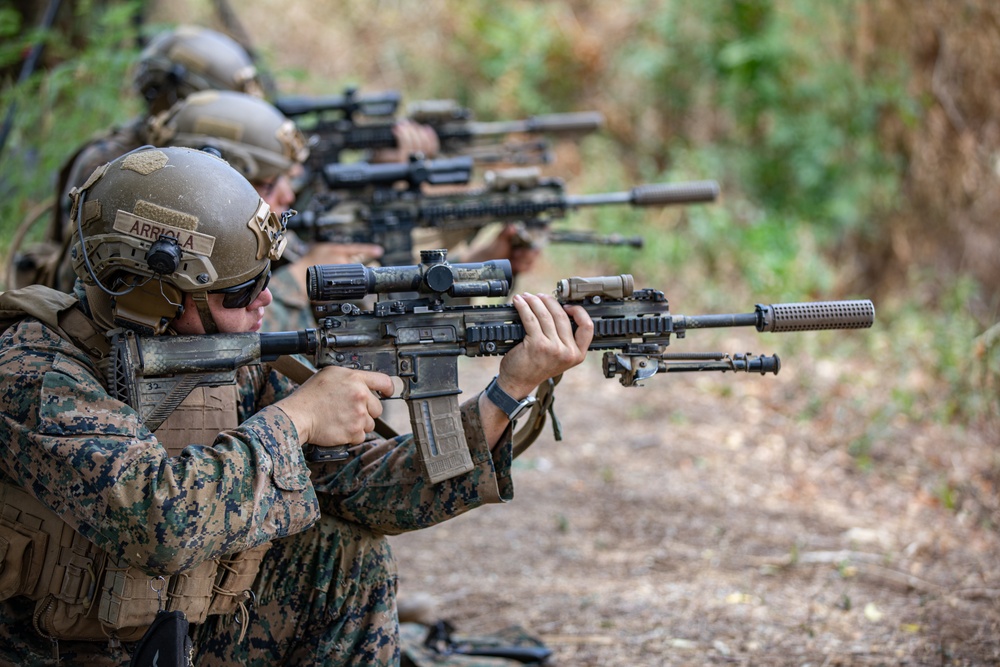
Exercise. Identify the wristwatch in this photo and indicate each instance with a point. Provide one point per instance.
(512, 407)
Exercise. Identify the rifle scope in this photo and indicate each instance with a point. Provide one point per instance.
(356, 175)
(381, 104)
(434, 275)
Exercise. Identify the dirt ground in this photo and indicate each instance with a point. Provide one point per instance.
(720, 519)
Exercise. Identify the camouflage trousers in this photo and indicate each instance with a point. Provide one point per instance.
(21, 645)
(326, 596)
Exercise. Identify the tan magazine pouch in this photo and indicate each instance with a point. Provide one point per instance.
(235, 579)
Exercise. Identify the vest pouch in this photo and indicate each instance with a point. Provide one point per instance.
(191, 591)
(55, 619)
(130, 597)
(235, 578)
(69, 611)
(21, 554)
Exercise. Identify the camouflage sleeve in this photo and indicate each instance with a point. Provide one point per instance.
(382, 485)
(87, 457)
(260, 386)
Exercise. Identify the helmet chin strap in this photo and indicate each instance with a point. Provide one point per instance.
(204, 312)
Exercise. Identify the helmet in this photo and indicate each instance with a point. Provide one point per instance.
(157, 223)
(188, 59)
(249, 133)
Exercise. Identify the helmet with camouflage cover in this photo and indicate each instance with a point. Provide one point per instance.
(249, 133)
(187, 59)
(159, 223)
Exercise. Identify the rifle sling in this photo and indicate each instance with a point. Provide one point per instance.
(527, 434)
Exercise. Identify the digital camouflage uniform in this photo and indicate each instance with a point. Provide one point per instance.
(326, 596)
(87, 457)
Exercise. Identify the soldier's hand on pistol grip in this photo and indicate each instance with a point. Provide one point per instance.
(337, 406)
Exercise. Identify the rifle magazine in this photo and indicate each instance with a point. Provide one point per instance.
(440, 437)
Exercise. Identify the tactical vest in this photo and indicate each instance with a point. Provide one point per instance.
(81, 592)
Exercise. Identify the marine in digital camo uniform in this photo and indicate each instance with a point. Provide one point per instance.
(327, 595)
(95, 510)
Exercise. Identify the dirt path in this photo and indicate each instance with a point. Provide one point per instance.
(723, 520)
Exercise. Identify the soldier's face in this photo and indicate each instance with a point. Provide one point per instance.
(227, 320)
(277, 192)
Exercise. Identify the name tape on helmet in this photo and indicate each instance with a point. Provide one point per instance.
(150, 230)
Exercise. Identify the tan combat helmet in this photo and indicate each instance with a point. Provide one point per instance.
(187, 59)
(249, 133)
(158, 223)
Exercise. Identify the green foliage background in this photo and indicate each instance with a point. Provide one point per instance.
(60, 105)
(772, 98)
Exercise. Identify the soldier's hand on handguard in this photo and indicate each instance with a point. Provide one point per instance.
(337, 406)
(550, 347)
(508, 244)
(411, 138)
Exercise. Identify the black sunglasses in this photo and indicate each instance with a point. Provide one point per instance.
(242, 295)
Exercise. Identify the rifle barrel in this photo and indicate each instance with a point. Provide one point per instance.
(590, 238)
(273, 344)
(653, 194)
(554, 123)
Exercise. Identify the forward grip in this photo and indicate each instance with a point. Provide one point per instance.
(816, 315)
(578, 121)
(660, 194)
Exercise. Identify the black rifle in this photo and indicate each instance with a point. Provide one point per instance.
(325, 119)
(389, 203)
(419, 340)
(348, 105)
(336, 127)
